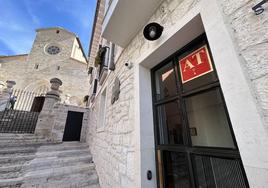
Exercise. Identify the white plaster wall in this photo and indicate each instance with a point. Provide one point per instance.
(77, 52)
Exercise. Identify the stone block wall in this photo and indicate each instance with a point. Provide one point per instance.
(249, 32)
(60, 112)
(114, 145)
(13, 68)
(52, 120)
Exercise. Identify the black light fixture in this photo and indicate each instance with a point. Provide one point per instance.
(153, 31)
(258, 9)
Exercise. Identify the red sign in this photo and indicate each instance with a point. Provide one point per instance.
(195, 64)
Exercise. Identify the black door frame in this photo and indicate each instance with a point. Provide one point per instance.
(187, 147)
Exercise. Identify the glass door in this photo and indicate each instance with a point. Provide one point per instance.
(195, 144)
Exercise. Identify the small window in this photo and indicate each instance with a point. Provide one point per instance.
(58, 67)
(102, 110)
(36, 66)
(53, 50)
(58, 31)
(165, 81)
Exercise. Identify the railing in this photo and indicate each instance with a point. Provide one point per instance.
(24, 99)
(21, 113)
(16, 121)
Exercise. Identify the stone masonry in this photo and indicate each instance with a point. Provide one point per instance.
(113, 142)
(27, 160)
(250, 34)
(70, 65)
(113, 145)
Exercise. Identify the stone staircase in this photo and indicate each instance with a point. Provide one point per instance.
(28, 161)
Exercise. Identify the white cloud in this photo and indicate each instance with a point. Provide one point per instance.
(19, 19)
(29, 8)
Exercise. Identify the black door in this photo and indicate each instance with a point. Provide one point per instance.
(73, 126)
(38, 103)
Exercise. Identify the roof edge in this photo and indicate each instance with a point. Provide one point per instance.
(93, 26)
(55, 28)
(13, 55)
(63, 29)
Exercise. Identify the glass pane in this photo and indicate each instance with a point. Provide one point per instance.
(176, 170)
(214, 172)
(207, 120)
(165, 82)
(170, 123)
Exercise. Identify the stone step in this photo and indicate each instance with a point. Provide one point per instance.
(22, 139)
(16, 150)
(92, 186)
(63, 146)
(46, 165)
(4, 144)
(6, 136)
(9, 168)
(12, 182)
(15, 159)
(60, 171)
(64, 153)
(74, 180)
(43, 148)
(54, 162)
(10, 171)
(10, 174)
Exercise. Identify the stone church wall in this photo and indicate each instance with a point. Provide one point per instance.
(114, 146)
(72, 72)
(12, 68)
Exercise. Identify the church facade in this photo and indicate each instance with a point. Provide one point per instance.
(186, 110)
(56, 52)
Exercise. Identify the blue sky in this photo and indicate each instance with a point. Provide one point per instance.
(20, 18)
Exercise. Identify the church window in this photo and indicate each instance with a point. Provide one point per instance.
(36, 66)
(53, 50)
(58, 31)
(58, 67)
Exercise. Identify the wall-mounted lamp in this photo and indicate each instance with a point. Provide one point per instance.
(152, 31)
(258, 9)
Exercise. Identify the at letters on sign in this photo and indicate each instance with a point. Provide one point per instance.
(195, 64)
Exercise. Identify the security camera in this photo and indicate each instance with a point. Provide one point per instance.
(129, 65)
